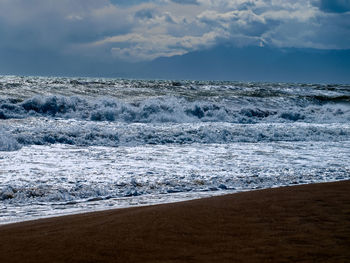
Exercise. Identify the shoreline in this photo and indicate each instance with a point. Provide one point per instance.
(178, 199)
(308, 222)
(175, 198)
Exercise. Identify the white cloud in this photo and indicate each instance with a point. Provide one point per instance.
(137, 47)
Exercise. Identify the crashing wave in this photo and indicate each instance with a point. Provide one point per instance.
(83, 133)
(175, 110)
(8, 142)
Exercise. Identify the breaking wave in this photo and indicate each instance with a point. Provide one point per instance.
(109, 134)
(110, 112)
(177, 110)
(8, 142)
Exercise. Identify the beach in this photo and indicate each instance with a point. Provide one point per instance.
(305, 223)
(174, 131)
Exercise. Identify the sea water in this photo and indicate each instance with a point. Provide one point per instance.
(70, 145)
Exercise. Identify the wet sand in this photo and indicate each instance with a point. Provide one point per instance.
(308, 223)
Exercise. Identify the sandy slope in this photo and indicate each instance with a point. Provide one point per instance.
(309, 223)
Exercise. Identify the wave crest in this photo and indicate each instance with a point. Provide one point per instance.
(175, 110)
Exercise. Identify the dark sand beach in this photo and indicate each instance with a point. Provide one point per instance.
(307, 223)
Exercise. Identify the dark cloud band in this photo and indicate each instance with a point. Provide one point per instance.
(334, 6)
(186, 2)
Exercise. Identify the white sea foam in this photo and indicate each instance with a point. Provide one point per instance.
(38, 178)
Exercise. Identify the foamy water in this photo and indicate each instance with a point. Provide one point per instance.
(69, 145)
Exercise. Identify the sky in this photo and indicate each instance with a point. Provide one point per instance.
(268, 40)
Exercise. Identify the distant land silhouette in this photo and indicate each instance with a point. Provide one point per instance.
(220, 63)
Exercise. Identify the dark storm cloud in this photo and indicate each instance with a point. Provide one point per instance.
(334, 6)
(128, 2)
(144, 30)
(145, 14)
(185, 2)
(115, 37)
(57, 25)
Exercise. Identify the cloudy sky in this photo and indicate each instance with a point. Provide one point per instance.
(128, 34)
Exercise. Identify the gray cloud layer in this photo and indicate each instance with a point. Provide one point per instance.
(144, 30)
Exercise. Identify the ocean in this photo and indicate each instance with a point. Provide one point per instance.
(71, 145)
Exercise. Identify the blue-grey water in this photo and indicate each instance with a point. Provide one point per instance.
(69, 145)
